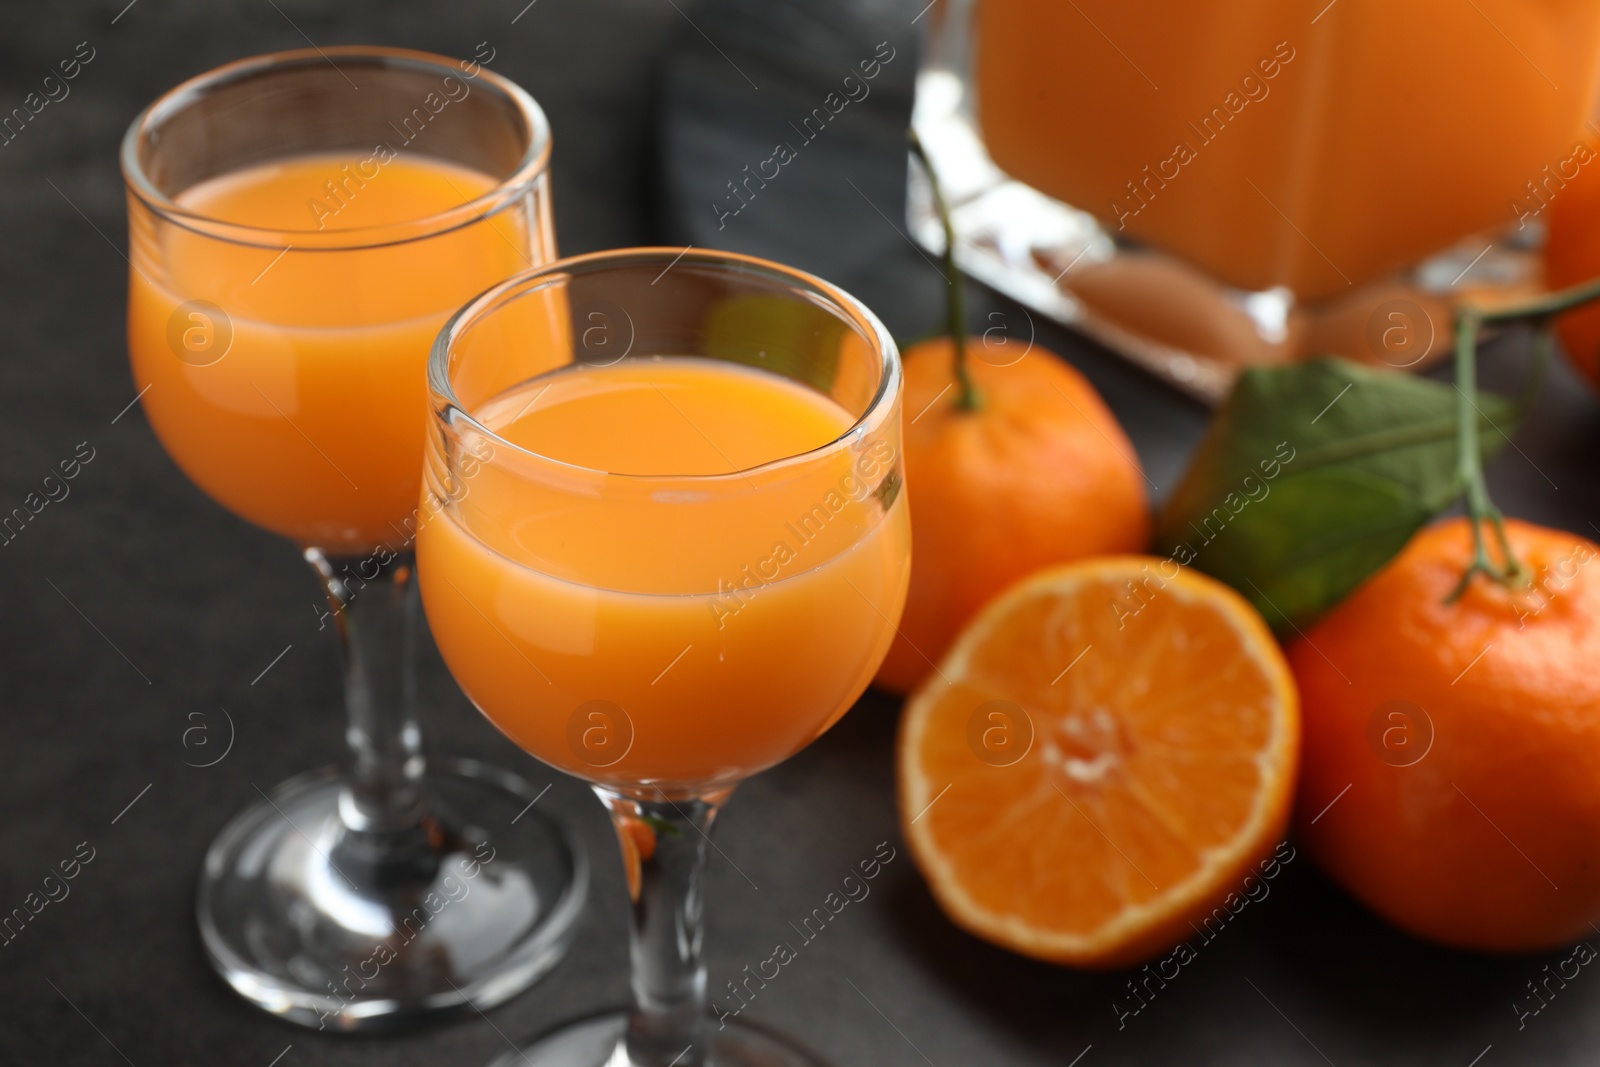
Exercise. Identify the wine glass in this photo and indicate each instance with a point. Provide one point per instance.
(301, 224)
(664, 545)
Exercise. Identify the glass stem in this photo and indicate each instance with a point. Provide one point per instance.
(664, 844)
(373, 605)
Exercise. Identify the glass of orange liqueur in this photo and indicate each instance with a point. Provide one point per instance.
(666, 548)
(301, 225)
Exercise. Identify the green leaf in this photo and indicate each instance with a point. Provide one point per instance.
(1311, 477)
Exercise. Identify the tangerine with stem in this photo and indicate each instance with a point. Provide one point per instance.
(1012, 462)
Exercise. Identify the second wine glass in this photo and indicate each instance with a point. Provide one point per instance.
(300, 226)
(664, 546)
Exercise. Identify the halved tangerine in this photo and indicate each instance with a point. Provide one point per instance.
(1100, 760)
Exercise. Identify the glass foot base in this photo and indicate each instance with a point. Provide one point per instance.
(595, 1041)
(339, 930)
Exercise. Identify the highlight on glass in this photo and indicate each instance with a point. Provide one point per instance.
(301, 225)
(664, 546)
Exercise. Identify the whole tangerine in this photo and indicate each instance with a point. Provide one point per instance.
(1451, 775)
(1035, 471)
(1572, 255)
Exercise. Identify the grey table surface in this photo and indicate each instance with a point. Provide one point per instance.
(136, 601)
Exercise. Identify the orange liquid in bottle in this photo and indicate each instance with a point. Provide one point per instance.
(659, 632)
(310, 422)
(1274, 150)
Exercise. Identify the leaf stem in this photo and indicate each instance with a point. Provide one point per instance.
(1543, 338)
(1480, 509)
(1469, 459)
(967, 397)
(1543, 309)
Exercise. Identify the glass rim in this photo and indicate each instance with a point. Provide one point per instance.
(450, 411)
(530, 168)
